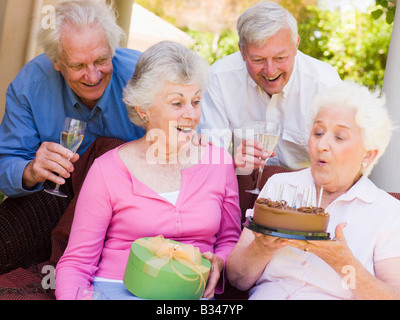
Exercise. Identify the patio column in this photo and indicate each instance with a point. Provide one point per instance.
(15, 26)
(386, 174)
(124, 11)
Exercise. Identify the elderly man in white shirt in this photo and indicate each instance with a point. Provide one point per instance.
(269, 79)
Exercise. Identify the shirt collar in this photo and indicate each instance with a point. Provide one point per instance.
(73, 100)
(363, 189)
(288, 86)
(251, 82)
(103, 102)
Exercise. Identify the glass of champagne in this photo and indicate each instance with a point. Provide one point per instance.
(268, 134)
(71, 138)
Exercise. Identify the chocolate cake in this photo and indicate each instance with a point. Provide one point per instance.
(278, 215)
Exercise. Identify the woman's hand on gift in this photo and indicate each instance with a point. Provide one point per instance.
(217, 265)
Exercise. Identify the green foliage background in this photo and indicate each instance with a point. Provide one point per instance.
(355, 43)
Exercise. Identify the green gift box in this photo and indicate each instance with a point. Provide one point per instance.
(163, 269)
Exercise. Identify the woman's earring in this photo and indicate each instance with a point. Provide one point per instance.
(364, 164)
(145, 119)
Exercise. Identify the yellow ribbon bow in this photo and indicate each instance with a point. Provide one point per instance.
(165, 251)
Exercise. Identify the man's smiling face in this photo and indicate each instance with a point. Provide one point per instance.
(85, 62)
(271, 65)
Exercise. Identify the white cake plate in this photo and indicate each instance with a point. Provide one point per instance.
(280, 233)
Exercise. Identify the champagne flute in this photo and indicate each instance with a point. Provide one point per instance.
(71, 138)
(268, 134)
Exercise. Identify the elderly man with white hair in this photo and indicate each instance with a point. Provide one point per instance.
(81, 75)
(350, 130)
(269, 79)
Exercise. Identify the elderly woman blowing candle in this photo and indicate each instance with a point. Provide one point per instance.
(161, 184)
(350, 131)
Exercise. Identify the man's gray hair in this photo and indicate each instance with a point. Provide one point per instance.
(263, 20)
(371, 114)
(80, 14)
(163, 62)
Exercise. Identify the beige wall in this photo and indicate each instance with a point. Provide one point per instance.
(15, 16)
(18, 21)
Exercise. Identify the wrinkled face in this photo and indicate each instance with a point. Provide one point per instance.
(176, 112)
(271, 65)
(336, 149)
(86, 63)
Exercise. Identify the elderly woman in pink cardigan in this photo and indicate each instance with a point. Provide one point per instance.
(162, 184)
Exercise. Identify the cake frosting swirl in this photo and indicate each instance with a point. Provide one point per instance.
(279, 215)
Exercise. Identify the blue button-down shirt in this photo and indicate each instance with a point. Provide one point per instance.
(37, 102)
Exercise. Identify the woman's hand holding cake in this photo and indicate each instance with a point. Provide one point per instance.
(334, 252)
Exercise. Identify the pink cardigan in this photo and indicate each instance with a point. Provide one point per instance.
(114, 209)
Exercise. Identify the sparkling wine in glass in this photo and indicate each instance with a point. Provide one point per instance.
(268, 135)
(71, 137)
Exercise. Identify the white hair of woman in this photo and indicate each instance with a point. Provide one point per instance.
(371, 114)
(263, 20)
(163, 62)
(80, 14)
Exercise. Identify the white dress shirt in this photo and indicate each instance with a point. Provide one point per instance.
(372, 233)
(234, 99)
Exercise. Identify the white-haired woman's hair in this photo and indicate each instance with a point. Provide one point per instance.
(371, 114)
(262, 21)
(163, 62)
(80, 14)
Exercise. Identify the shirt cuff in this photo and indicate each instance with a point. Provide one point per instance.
(17, 190)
